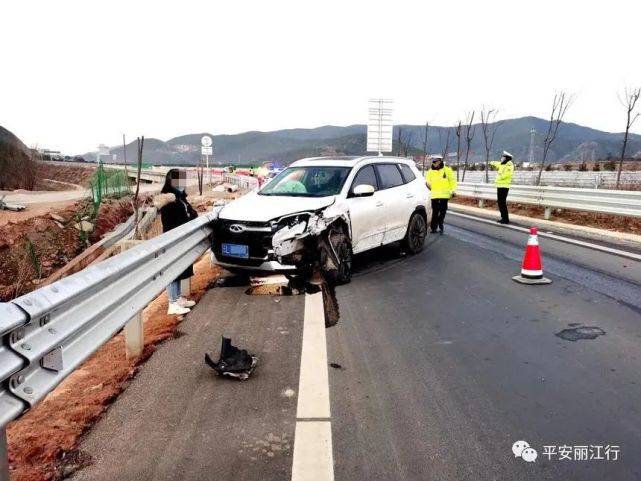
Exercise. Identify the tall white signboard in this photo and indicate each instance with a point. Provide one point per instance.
(380, 126)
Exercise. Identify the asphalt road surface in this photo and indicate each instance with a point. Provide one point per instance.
(438, 364)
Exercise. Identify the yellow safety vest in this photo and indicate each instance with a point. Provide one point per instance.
(442, 182)
(505, 172)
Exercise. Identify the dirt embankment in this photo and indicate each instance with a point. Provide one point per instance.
(590, 219)
(62, 177)
(31, 250)
(43, 443)
(21, 171)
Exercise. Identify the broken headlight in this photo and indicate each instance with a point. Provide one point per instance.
(290, 221)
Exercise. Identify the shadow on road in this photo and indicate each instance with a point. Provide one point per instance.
(384, 257)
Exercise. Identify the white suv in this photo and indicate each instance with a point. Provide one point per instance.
(321, 211)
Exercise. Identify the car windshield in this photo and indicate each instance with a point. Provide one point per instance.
(308, 181)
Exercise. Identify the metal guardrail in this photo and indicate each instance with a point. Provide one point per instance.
(49, 332)
(594, 180)
(242, 181)
(616, 202)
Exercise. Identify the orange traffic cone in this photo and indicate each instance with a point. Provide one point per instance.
(532, 268)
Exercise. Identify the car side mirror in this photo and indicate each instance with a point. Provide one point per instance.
(363, 190)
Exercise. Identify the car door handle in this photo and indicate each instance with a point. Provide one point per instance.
(409, 196)
(379, 204)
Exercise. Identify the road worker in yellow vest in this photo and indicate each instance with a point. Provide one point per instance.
(503, 180)
(442, 184)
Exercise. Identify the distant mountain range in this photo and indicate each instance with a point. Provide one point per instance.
(573, 143)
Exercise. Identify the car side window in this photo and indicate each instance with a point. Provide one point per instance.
(389, 175)
(365, 176)
(406, 170)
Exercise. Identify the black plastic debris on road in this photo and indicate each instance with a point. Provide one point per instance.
(233, 362)
(580, 333)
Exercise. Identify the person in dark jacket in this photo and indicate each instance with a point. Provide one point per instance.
(175, 211)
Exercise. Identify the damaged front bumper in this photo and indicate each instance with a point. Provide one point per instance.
(304, 240)
(292, 242)
(266, 266)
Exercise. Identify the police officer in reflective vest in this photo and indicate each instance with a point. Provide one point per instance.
(442, 184)
(503, 179)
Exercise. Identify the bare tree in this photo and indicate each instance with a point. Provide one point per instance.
(470, 130)
(201, 175)
(458, 130)
(427, 128)
(399, 141)
(489, 128)
(19, 168)
(406, 143)
(403, 142)
(140, 144)
(30, 170)
(560, 106)
(629, 101)
(446, 146)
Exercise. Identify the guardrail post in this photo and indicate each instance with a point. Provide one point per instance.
(548, 213)
(481, 203)
(4, 456)
(134, 329)
(134, 336)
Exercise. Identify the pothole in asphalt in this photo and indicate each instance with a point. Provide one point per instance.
(580, 333)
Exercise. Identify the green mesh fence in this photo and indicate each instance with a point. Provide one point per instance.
(108, 183)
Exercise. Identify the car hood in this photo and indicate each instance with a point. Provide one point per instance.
(262, 208)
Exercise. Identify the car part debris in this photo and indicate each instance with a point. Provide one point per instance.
(330, 302)
(580, 333)
(233, 362)
(274, 285)
(7, 206)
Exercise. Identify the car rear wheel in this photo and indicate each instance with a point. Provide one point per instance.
(416, 232)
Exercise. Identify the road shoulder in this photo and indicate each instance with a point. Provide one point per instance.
(179, 421)
(600, 235)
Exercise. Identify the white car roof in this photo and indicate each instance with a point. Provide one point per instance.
(347, 161)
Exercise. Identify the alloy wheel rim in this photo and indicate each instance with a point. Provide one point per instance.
(418, 232)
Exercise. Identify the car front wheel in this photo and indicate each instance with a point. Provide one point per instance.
(416, 232)
(342, 247)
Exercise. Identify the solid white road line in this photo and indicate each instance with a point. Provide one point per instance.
(313, 459)
(313, 386)
(567, 240)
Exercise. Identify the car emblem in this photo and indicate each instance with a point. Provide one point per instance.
(236, 228)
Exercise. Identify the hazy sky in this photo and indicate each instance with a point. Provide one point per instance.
(79, 73)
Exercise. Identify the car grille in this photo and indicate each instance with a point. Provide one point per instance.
(258, 241)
